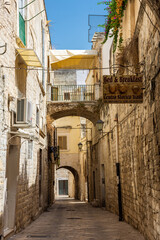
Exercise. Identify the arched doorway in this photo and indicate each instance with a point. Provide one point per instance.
(67, 182)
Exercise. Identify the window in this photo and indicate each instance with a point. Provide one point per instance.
(24, 111)
(22, 12)
(30, 149)
(62, 142)
(83, 130)
(66, 96)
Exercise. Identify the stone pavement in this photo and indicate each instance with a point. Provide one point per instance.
(70, 219)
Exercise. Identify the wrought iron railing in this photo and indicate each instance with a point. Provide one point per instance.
(71, 93)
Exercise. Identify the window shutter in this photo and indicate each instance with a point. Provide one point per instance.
(29, 113)
(54, 93)
(37, 116)
(20, 110)
(62, 142)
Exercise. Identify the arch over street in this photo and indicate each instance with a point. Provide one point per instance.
(89, 110)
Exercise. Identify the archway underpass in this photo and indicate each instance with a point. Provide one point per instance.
(68, 133)
(67, 182)
(88, 110)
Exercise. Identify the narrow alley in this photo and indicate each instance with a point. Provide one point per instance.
(80, 120)
(72, 219)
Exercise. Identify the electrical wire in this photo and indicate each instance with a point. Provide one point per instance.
(149, 17)
(114, 66)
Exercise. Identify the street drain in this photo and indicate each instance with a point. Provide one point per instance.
(74, 218)
(38, 236)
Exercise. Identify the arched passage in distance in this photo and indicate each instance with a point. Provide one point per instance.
(76, 180)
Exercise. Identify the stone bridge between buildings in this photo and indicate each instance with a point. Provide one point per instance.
(89, 110)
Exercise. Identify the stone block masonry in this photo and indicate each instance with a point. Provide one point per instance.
(23, 164)
(139, 138)
(138, 151)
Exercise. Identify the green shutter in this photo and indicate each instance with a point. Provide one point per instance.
(22, 34)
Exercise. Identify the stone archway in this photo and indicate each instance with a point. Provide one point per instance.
(76, 176)
(89, 110)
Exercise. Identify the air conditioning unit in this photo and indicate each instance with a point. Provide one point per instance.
(23, 115)
(24, 111)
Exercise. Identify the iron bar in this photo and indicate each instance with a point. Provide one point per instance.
(72, 93)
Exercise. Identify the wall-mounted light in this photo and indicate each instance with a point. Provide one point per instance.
(99, 125)
(80, 146)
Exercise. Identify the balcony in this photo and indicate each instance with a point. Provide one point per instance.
(71, 93)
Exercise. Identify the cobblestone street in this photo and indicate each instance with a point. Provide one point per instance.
(71, 219)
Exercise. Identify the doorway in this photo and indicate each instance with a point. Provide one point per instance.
(94, 185)
(103, 190)
(40, 177)
(12, 172)
(63, 187)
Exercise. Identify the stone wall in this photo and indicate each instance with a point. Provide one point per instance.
(138, 130)
(65, 77)
(27, 201)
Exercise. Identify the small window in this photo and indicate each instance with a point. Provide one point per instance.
(62, 142)
(66, 96)
(83, 130)
(30, 149)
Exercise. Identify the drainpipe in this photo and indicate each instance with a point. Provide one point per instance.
(118, 170)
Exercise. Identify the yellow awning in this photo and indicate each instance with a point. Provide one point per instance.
(73, 59)
(30, 57)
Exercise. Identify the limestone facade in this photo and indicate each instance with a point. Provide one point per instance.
(131, 131)
(23, 153)
(68, 137)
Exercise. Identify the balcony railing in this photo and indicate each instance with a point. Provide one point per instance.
(71, 93)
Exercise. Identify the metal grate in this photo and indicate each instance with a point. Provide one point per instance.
(72, 93)
(93, 22)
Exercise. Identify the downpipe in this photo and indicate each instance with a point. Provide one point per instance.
(118, 171)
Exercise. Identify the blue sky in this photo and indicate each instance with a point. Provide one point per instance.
(69, 22)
